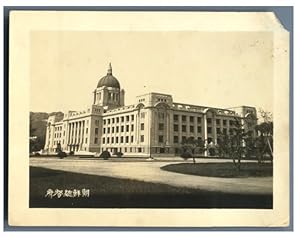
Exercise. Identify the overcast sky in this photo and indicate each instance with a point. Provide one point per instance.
(202, 68)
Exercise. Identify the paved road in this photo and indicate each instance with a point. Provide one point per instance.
(150, 171)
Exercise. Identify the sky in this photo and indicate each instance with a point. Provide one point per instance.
(217, 69)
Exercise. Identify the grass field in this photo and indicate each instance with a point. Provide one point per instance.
(107, 192)
(222, 170)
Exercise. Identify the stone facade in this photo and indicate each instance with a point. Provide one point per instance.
(154, 125)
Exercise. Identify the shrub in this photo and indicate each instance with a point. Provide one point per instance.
(71, 153)
(119, 154)
(186, 155)
(105, 155)
(62, 154)
(212, 151)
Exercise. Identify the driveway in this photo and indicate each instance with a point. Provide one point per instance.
(150, 171)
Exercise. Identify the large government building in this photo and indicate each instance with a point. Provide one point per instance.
(155, 125)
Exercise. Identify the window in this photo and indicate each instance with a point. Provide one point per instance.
(183, 139)
(209, 130)
(131, 139)
(96, 131)
(108, 130)
(224, 122)
(125, 149)
(160, 139)
(107, 139)
(161, 115)
(218, 121)
(96, 141)
(97, 122)
(127, 139)
(208, 120)
(122, 119)
(122, 139)
(142, 126)
(175, 117)
(191, 119)
(199, 129)
(175, 127)
(199, 119)
(218, 130)
(113, 120)
(87, 130)
(142, 138)
(209, 139)
(127, 118)
(117, 119)
(161, 126)
(175, 139)
(104, 130)
(132, 127)
(183, 128)
(122, 128)
(127, 128)
(108, 121)
(112, 140)
(183, 118)
(192, 129)
(112, 130)
(104, 122)
(132, 117)
(117, 139)
(224, 130)
(117, 129)
(231, 122)
(199, 138)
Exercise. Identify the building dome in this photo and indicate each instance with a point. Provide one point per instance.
(109, 80)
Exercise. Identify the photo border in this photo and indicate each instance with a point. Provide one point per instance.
(285, 14)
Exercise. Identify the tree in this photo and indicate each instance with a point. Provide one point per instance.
(234, 145)
(265, 135)
(190, 147)
(60, 153)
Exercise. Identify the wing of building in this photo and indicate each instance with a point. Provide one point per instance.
(154, 125)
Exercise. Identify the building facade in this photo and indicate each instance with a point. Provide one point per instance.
(154, 126)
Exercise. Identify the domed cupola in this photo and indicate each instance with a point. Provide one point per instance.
(108, 92)
(109, 80)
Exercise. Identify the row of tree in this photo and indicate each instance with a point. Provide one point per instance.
(238, 145)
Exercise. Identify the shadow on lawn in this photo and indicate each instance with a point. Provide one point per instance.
(222, 170)
(107, 192)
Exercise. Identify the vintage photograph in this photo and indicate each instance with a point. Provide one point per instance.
(175, 119)
(145, 117)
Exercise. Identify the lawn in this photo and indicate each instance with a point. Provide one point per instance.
(107, 192)
(222, 170)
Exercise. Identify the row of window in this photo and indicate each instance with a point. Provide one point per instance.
(199, 120)
(121, 139)
(118, 119)
(108, 130)
(184, 128)
(58, 128)
(58, 142)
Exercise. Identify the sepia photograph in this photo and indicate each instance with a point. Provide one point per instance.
(156, 111)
